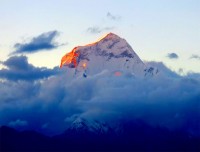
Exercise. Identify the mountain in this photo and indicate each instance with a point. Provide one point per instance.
(85, 126)
(135, 136)
(111, 54)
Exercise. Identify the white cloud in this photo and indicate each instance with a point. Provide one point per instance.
(168, 101)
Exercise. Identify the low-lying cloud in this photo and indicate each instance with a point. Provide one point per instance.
(49, 105)
(44, 41)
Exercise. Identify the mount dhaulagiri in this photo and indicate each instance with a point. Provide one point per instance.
(111, 54)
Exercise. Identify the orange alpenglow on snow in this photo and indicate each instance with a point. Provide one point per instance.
(117, 73)
(101, 38)
(70, 58)
(84, 65)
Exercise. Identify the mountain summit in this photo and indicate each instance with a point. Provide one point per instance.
(111, 53)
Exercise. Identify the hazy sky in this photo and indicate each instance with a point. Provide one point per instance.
(158, 30)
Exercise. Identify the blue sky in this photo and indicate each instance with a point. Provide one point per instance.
(155, 29)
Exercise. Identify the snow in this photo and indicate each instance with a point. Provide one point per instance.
(111, 53)
(81, 124)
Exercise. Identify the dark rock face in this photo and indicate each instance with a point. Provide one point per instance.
(111, 55)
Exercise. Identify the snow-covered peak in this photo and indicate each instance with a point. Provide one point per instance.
(111, 43)
(83, 125)
(111, 53)
(110, 37)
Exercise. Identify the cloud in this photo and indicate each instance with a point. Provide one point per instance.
(44, 41)
(18, 123)
(99, 29)
(194, 56)
(96, 29)
(172, 56)
(113, 17)
(166, 100)
(18, 68)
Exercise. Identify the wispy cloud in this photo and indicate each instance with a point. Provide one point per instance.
(97, 29)
(44, 41)
(172, 56)
(113, 17)
(94, 29)
(100, 29)
(194, 56)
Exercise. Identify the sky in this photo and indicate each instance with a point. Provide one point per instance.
(157, 30)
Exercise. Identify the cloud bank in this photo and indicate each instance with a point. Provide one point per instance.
(44, 41)
(49, 105)
(18, 68)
